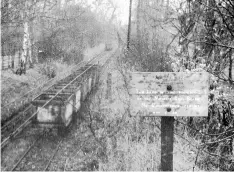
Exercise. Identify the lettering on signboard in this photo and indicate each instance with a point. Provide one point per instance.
(169, 94)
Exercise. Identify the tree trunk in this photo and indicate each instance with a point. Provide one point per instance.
(25, 43)
(138, 26)
(23, 59)
(30, 51)
(210, 24)
(30, 44)
(166, 8)
(129, 24)
(230, 67)
(26, 39)
(112, 16)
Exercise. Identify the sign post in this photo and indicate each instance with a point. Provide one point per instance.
(167, 128)
(168, 94)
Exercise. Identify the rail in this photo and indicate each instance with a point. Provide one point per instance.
(27, 121)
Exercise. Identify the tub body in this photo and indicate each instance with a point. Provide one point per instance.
(66, 99)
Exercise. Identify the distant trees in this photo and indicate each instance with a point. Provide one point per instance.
(129, 24)
(55, 28)
(74, 29)
(19, 17)
(148, 40)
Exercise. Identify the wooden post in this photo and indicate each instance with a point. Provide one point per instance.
(147, 89)
(167, 128)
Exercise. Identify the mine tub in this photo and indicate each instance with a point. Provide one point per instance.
(58, 111)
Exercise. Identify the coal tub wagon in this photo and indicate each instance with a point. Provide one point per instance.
(65, 98)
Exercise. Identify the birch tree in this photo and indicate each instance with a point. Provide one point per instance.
(22, 14)
(26, 39)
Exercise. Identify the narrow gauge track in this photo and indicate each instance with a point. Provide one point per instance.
(37, 150)
(53, 164)
(10, 125)
(25, 161)
(84, 139)
(20, 105)
(16, 125)
(7, 129)
(41, 85)
(29, 160)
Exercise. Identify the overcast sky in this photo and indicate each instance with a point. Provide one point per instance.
(123, 8)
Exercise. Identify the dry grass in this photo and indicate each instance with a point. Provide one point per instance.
(13, 86)
(134, 149)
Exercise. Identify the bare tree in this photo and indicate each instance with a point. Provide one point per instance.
(129, 24)
(22, 14)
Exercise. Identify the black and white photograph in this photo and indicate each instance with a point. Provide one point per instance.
(117, 85)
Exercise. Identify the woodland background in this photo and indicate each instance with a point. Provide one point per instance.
(162, 36)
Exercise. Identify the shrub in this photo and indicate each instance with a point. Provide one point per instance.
(73, 56)
(148, 56)
(48, 69)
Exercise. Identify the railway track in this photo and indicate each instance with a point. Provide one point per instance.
(42, 152)
(84, 139)
(21, 116)
(25, 162)
(8, 129)
(38, 150)
(6, 106)
(21, 100)
(23, 119)
(65, 153)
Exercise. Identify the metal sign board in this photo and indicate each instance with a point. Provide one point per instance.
(169, 93)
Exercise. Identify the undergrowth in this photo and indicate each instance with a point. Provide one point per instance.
(213, 135)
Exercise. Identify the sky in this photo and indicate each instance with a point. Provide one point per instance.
(123, 10)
